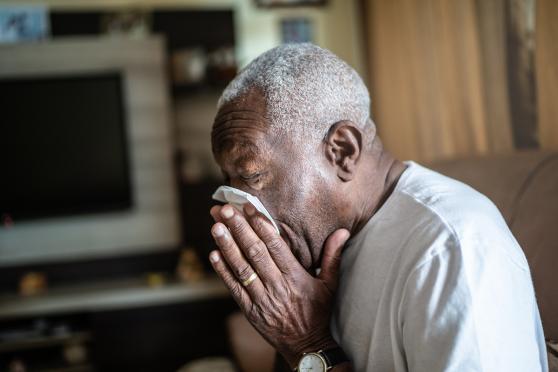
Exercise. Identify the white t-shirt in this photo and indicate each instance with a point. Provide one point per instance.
(435, 281)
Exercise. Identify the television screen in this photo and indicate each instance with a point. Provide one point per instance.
(63, 146)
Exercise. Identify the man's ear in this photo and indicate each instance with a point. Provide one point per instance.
(343, 148)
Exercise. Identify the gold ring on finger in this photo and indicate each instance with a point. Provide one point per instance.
(249, 281)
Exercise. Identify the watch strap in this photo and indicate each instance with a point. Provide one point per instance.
(334, 356)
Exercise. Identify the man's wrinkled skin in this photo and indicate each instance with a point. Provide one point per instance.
(318, 193)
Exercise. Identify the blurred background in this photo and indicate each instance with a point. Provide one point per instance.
(107, 171)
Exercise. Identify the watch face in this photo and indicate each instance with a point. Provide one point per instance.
(312, 362)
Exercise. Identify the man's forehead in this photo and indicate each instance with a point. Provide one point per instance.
(237, 130)
(250, 106)
(239, 123)
(239, 118)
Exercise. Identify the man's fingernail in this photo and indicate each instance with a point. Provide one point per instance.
(218, 231)
(214, 256)
(227, 211)
(250, 210)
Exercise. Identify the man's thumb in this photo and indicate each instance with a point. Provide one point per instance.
(331, 257)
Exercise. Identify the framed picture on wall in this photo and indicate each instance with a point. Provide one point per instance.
(23, 23)
(296, 30)
(287, 3)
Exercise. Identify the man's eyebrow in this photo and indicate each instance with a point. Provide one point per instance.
(239, 152)
(248, 151)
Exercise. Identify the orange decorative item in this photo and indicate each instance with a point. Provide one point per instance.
(32, 283)
(189, 267)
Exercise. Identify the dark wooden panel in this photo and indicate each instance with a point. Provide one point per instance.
(160, 338)
(183, 29)
(75, 23)
(196, 202)
(91, 270)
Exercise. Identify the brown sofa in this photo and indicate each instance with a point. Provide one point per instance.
(524, 186)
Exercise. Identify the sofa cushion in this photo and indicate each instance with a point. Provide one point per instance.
(535, 225)
(499, 177)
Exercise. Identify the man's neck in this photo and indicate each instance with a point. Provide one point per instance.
(387, 172)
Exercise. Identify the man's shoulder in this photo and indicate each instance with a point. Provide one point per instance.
(429, 214)
(468, 219)
(455, 204)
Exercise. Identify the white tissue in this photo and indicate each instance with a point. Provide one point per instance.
(238, 198)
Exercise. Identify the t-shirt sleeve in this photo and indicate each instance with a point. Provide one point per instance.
(468, 309)
(437, 323)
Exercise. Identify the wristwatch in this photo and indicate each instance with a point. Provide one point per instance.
(321, 361)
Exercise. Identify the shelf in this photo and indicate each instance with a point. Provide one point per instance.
(105, 296)
(80, 368)
(43, 341)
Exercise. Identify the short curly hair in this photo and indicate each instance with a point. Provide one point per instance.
(306, 88)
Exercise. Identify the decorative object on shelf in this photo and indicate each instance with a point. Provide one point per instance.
(33, 283)
(222, 66)
(7, 221)
(278, 3)
(75, 353)
(23, 23)
(209, 364)
(132, 23)
(156, 280)
(17, 365)
(296, 30)
(192, 167)
(189, 267)
(188, 66)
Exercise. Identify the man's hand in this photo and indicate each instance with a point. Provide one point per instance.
(288, 306)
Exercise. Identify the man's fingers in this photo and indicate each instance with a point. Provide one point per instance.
(235, 287)
(214, 212)
(239, 266)
(278, 249)
(250, 244)
(331, 257)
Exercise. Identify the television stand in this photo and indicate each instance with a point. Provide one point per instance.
(123, 325)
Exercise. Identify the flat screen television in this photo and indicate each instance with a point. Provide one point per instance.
(63, 146)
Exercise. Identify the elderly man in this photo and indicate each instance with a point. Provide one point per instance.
(431, 278)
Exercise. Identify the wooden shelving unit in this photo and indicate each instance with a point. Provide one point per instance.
(108, 295)
(44, 341)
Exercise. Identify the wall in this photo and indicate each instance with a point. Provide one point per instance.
(337, 27)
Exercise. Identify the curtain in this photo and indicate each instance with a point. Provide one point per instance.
(546, 59)
(440, 76)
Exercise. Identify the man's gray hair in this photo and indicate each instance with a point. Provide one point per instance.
(306, 88)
